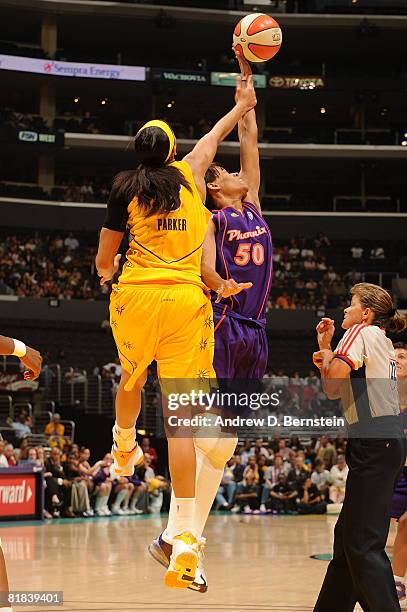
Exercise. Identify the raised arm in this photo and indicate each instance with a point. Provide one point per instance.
(249, 143)
(203, 154)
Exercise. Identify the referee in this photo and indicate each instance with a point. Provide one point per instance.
(362, 373)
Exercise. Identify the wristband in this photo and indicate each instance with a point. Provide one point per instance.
(20, 349)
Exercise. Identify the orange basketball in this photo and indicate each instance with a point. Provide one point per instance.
(258, 37)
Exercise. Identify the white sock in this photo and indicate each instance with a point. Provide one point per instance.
(211, 457)
(181, 518)
(125, 439)
(399, 579)
(101, 501)
(120, 497)
(212, 454)
(207, 483)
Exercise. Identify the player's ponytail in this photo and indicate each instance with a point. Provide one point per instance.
(380, 302)
(156, 184)
(397, 323)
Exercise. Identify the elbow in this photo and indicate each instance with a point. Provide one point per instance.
(101, 263)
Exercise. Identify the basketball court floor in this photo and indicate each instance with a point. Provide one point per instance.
(254, 563)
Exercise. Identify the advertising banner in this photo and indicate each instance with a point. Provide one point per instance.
(180, 76)
(17, 494)
(228, 79)
(72, 69)
(297, 82)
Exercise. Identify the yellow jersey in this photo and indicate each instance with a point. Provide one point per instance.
(167, 249)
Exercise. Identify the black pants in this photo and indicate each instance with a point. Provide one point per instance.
(360, 570)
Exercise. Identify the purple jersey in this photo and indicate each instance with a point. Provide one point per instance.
(244, 253)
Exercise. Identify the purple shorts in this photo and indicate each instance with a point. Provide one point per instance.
(241, 349)
(399, 503)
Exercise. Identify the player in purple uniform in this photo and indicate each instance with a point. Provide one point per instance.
(240, 338)
(399, 505)
(238, 248)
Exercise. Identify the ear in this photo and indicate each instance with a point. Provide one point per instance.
(213, 187)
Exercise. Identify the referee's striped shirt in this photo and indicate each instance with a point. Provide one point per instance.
(370, 399)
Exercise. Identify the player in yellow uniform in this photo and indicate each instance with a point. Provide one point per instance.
(32, 360)
(159, 308)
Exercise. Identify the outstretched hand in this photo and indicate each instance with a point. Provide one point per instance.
(231, 287)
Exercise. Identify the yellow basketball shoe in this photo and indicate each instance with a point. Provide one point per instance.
(124, 462)
(184, 559)
(161, 551)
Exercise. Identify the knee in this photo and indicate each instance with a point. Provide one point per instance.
(217, 450)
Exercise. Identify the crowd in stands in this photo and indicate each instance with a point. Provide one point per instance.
(22, 121)
(280, 476)
(76, 487)
(41, 265)
(308, 274)
(284, 477)
(110, 121)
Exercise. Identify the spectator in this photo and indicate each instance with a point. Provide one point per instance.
(247, 495)
(237, 468)
(20, 427)
(123, 491)
(247, 450)
(251, 467)
(271, 478)
(139, 496)
(9, 454)
(149, 450)
(357, 251)
(311, 500)
(113, 368)
(295, 443)
(54, 431)
(79, 496)
(3, 458)
(227, 488)
(338, 476)
(283, 496)
(103, 485)
(260, 449)
(31, 458)
(21, 453)
(283, 450)
(326, 451)
(321, 478)
(71, 242)
(156, 486)
(57, 493)
(282, 301)
(377, 253)
(298, 474)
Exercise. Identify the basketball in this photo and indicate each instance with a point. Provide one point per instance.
(258, 37)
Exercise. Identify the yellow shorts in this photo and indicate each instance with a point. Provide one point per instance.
(172, 324)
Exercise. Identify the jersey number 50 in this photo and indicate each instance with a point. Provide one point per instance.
(247, 251)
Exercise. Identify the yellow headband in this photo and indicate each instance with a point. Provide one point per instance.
(166, 128)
